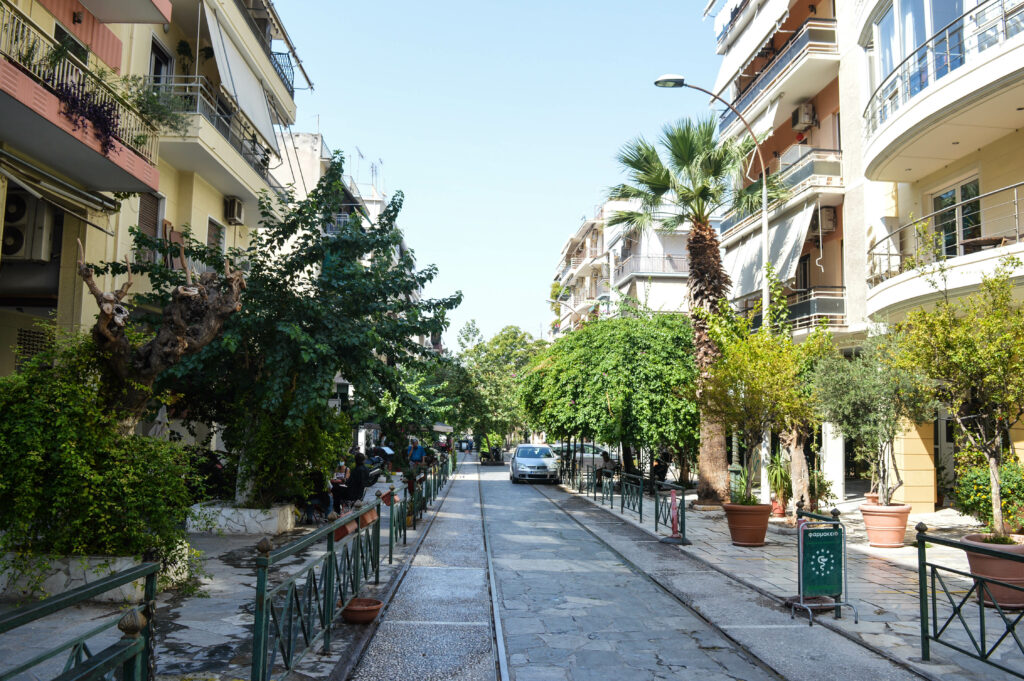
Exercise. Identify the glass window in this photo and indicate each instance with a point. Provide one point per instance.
(915, 49)
(159, 63)
(888, 48)
(534, 453)
(960, 217)
(948, 27)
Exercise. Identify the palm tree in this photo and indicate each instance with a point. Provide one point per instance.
(700, 177)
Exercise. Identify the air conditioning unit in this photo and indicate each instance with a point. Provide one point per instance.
(803, 117)
(234, 213)
(28, 228)
(828, 219)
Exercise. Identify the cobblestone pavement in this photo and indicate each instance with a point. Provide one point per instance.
(438, 625)
(883, 585)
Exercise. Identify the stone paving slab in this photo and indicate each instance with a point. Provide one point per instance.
(883, 583)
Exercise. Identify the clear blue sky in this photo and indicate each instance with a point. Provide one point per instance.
(499, 121)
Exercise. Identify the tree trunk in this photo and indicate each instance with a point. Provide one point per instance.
(712, 464)
(799, 471)
(997, 497)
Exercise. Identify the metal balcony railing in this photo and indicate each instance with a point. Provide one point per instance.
(281, 61)
(646, 264)
(983, 26)
(988, 220)
(815, 36)
(196, 94)
(30, 48)
(810, 307)
(800, 168)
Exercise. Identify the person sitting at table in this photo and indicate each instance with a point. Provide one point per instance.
(339, 485)
(606, 468)
(659, 470)
(358, 480)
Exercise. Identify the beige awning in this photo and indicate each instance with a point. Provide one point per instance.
(746, 46)
(786, 238)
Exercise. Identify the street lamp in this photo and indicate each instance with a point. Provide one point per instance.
(675, 80)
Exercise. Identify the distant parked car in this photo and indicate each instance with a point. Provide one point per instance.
(533, 462)
(591, 454)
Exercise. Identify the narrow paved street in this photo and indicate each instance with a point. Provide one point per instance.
(571, 607)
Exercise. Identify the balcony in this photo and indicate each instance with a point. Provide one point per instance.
(643, 265)
(34, 94)
(924, 115)
(281, 61)
(802, 169)
(811, 307)
(966, 238)
(803, 66)
(130, 11)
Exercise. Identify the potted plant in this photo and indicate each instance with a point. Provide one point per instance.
(972, 348)
(746, 516)
(870, 398)
(780, 484)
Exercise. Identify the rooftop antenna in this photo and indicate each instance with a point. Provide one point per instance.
(359, 157)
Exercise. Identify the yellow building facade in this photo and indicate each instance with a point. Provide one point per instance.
(225, 67)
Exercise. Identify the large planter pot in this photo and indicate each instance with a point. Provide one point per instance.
(778, 509)
(361, 610)
(748, 525)
(886, 525)
(991, 567)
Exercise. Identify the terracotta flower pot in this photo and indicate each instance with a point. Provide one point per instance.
(778, 510)
(345, 530)
(361, 610)
(388, 497)
(886, 525)
(1007, 571)
(748, 525)
(871, 498)
(367, 518)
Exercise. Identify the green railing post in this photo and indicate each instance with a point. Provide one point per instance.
(640, 501)
(922, 587)
(131, 625)
(357, 560)
(656, 510)
(391, 524)
(149, 597)
(261, 617)
(328, 584)
(376, 543)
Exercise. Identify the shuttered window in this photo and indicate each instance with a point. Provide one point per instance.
(149, 220)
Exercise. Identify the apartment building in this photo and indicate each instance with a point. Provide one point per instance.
(603, 267)
(226, 67)
(925, 162)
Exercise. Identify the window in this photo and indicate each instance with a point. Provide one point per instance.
(958, 216)
(62, 36)
(149, 224)
(161, 67)
(215, 236)
(803, 273)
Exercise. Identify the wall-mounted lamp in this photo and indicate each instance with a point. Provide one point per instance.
(167, 28)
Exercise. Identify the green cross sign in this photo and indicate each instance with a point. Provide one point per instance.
(821, 569)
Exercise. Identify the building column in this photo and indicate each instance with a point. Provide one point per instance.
(833, 459)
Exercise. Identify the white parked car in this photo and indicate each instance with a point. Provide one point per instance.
(533, 462)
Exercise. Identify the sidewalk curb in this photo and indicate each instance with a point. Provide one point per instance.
(773, 597)
(346, 666)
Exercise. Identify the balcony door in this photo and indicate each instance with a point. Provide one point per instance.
(958, 216)
(161, 66)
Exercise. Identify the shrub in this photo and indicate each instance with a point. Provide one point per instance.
(74, 482)
(973, 494)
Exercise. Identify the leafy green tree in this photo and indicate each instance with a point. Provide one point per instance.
(972, 349)
(870, 398)
(698, 177)
(757, 384)
(497, 366)
(317, 305)
(624, 380)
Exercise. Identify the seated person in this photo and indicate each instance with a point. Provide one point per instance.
(339, 483)
(660, 469)
(606, 468)
(358, 481)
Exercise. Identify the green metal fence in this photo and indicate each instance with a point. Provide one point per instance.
(663, 505)
(962, 610)
(607, 491)
(631, 494)
(130, 659)
(297, 614)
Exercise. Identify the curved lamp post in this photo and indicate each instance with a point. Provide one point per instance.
(673, 80)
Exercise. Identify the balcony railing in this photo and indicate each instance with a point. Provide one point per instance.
(196, 94)
(810, 307)
(35, 52)
(800, 168)
(989, 220)
(815, 36)
(646, 264)
(983, 26)
(281, 61)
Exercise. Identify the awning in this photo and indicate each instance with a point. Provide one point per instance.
(785, 241)
(749, 43)
(765, 123)
(45, 187)
(442, 428)
(240, 79)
